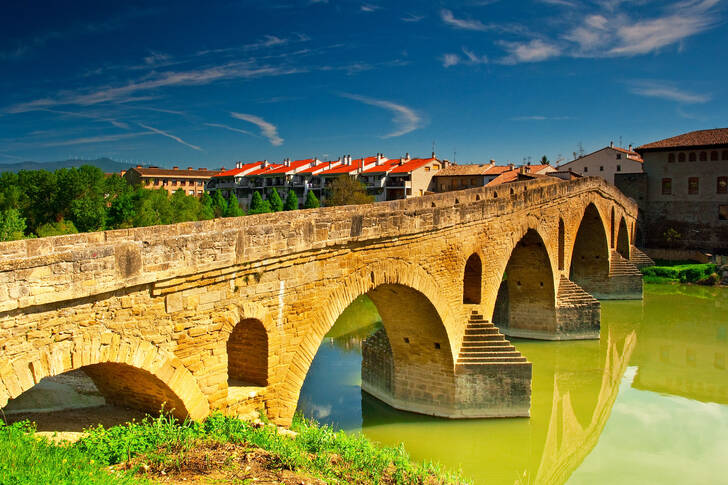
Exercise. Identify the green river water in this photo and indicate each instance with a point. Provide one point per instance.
(647, 403)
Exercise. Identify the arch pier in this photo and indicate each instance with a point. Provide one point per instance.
(227, 315)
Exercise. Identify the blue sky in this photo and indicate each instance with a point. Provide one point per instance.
(208, 83)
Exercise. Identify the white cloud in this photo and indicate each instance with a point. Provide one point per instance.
(465, 24)
(230, 128)
(268, 130)
(474, 58)
(533, 51)
(653, 89)
(94, 139)
(541, 118)
(368, 7)
(169, 135)
(412, 18)
(405, 119)
(449, 60)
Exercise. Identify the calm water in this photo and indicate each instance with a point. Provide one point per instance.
(647, 403)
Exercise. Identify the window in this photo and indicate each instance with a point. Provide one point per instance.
(681, 157)
(724, 155)
(703, 156)
(436, 166)
(422, 192)
(713, 156)
(619, 168)
(586, 169)
(671, 158)
(472, 182)
(691, 157)
(666, 186)
(723, 212)
(619, 156)
(693, 185)
(427, 169)
(722, 187)
(601, 168)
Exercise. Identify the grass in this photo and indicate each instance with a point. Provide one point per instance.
(682, 272)
(29, 459)
(163, 443)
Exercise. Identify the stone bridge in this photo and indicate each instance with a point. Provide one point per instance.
(228, 314)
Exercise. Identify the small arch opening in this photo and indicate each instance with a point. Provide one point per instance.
(247, 351)
(562, 237)
(472, 280)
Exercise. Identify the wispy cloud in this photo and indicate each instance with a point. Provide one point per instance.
(162, 110)
(465, 24)
(470, 58)
(412, 18)
(113, 122)
(541, 118)
(368, 7)
(95, 139)
(534, 51)
(449, 60)
(657, 89)
(405, 119)
(267, 129)
(230, 128)
(169, 135)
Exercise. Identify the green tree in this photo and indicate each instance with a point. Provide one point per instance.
(312, 201)
(184, 207)
(233, 207)
(276, 204)
(11, 194)
(38, 204)
(115, 186)
(88, 213)
(346, 190)
(12, 225)
(258, 205)
(152, 208)
(291, 201)
(206, 212)
(56, 229)
(122, 211)
(219, 206)
(545, 160)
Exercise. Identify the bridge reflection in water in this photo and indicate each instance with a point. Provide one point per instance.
(674, 343)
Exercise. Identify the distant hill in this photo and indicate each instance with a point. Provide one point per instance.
(105, 164)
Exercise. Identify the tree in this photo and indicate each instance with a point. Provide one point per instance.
(291, 201)
(233, 207)
(311, 201)
(545, 160)
(88, 213)
(122, 211)
(184, 207)
(258, 205)
(152, 208)
(206, 212)
(219, 206)
(12, 225)
(276, 204)
(346, 190)
(56, 229)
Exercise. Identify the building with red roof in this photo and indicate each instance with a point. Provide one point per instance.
(411, 177)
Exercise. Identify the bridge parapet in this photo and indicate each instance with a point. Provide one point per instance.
(40, 271)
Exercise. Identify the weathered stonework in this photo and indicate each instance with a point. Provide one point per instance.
(150, 311)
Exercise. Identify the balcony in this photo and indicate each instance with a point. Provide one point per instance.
(398, 183)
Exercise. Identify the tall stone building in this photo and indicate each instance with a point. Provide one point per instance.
(686, 178)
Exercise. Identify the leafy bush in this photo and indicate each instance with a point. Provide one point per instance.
(684, 273)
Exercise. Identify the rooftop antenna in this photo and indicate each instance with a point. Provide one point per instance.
(620, 140)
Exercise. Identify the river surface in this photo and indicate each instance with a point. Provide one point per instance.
(647, 403)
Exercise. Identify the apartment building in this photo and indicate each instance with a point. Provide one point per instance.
(191, 180)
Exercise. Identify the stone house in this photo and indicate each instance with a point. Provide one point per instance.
(191, 180)
(605, 163)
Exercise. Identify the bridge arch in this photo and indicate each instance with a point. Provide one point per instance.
(127, 371)
(422, 339)
(589, 266)
(526, 302)
(623, 239)
(472, 280)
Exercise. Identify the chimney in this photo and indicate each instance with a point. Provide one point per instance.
(348, 159)
(190, 168)
(138, 166)
(406, 156)
(238, 164)
(630, 147)
(287, 162)
(175, 167)
(264, 164)
(510, 166)
(433, 155)
(611, 144)
(202, 168)
(379, 159)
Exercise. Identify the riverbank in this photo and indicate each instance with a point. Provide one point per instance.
(221, 449)
(682, 272)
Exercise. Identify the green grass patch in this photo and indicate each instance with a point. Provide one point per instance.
(163, 442)
(683, 273)
(29, 459)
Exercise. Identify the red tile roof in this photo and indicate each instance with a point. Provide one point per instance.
(179, 173)
(465, 169)
(267, 169)
(320, 166)
(503, 178)
(235, 171)
(498, 169)
(292, 166)
(355, 164)
(717, 136)
(383, 167)
(412, 165)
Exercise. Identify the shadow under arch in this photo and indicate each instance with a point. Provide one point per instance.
(418, 326)
(127, 372)
(247, 353)
(526, 301)
(589, 267)
(623, 239)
